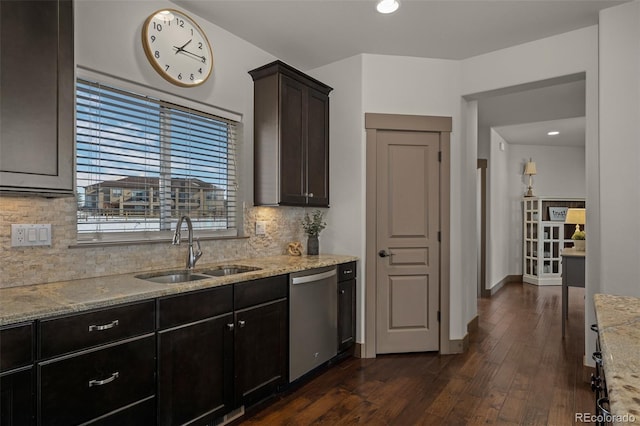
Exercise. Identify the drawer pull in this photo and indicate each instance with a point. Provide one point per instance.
(241, 323)
(600, 404)
(597, 357)
(347, 271)
(105, 381)
(103, 326)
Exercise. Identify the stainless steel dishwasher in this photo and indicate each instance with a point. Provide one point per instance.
(313, 319)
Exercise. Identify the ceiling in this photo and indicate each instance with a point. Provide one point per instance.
(572, 132)
(311, 33)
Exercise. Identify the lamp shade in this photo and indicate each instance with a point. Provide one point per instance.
(577, 216)
(530, 168)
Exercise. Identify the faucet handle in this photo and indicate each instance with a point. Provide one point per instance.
(199, 251)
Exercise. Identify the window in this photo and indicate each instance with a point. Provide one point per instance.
(141, 163)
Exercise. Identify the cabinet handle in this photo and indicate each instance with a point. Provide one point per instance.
(597, 357)
(241, 323)
(311, 195)
(103, 326)
(594, 327)
(231, 326)
(347, 271)
(105, 381)
(341, 291)
(599, 403)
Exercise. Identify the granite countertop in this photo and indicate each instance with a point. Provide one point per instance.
(619, 330)
(18, 304)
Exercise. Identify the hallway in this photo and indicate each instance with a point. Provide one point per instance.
(518, 370)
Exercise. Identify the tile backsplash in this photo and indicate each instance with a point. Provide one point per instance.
(33, 265)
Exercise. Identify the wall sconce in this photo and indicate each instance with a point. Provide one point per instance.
(577, 217)
(530, 170)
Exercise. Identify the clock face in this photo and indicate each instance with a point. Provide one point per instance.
(177, 48)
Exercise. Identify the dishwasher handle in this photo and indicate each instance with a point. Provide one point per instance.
(314, 277)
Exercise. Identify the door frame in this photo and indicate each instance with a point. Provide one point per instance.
(418, 123)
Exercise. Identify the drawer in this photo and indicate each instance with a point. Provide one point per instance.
(80, 331)
(254, 292)
(346, 271)
(16, 346)
(78, 388)
(143, 413)
(194, 306)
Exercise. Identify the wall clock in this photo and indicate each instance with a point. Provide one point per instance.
(177, 48)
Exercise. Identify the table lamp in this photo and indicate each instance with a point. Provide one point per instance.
(530, 170)
(577, 217)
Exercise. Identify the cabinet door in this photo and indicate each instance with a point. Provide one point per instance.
(16, 399)
(318, 149)
(195, 376)
(293, 134)
(261, 351)
(36, 106)
(78, 388)
(346, 314)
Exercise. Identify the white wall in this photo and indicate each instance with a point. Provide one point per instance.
(345, 232)
(620, 150)
(557, 56)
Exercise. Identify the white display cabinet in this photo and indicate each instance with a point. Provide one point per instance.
(544, 239)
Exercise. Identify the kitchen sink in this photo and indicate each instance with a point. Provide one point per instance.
(175, 277)
(221, 271)
(172, 277)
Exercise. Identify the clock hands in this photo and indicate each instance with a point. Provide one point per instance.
(181, 48)
(194, 55)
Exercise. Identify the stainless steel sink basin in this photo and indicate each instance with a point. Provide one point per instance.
(225, 270)
(175, 277)
(172, 277)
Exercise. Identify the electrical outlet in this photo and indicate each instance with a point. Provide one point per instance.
(29, 235)
(261, 227)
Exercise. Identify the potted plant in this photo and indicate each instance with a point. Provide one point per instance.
(312, 227)
(579, 238)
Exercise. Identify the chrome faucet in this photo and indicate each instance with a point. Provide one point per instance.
(192, 256)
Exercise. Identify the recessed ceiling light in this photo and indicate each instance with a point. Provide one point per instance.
(553, 133)
(387, 6)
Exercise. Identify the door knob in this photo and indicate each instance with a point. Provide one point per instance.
(384, 253)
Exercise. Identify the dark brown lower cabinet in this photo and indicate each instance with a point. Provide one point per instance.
(16, 398)
(346, 314)
(346, 306)
(100, 382)
(261, 351)
(195, 372)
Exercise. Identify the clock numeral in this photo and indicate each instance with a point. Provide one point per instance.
(166, 67)
(191, 77)
(153, 38)
(200, 70)
(157, 55)
(157, 27)
(180, 22)
(204, 60)
(191, 31)
(180, 76)
(200, 45)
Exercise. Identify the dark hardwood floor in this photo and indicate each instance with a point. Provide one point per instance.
(518, 371)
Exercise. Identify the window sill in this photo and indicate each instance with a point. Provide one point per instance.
(163, 240)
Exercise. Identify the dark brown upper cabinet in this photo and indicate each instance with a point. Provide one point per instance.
(36, 105)
(291, 137)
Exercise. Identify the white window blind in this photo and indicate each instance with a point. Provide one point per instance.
(141, 163)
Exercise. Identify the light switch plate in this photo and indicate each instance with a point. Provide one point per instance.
(261, 227)
(30, 235)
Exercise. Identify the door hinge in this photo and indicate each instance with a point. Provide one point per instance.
(440, 156)
(438, 316)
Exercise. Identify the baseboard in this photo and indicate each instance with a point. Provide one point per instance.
(473, 325)
(496, 288)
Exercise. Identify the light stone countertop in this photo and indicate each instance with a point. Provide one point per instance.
(618, 320)
(18, 304)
